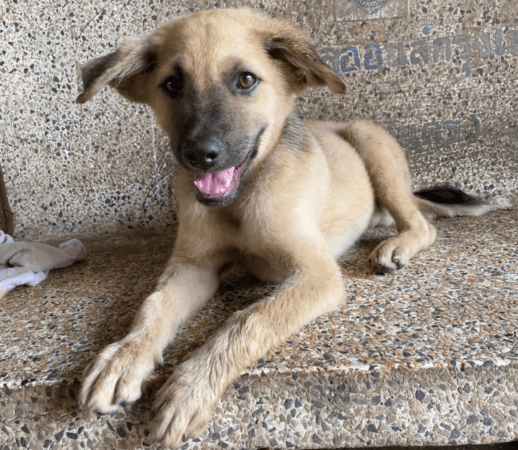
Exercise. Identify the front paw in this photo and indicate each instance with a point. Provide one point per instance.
(114, 378)
(183, 407)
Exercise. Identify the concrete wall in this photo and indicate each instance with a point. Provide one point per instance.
(441, 76)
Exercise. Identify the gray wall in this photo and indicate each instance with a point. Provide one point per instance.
(441, 76)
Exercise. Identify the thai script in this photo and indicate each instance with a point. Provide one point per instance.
(374, 56)
(438, 134)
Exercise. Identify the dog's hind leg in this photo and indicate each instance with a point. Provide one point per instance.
(390, 177)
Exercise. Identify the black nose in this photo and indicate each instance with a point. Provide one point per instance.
(203, 154)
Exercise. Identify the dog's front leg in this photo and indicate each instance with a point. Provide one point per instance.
(115, 376)
(185, 403)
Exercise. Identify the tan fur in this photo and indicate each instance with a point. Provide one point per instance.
(308, 195)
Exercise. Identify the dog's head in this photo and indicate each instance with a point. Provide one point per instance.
(221, 84)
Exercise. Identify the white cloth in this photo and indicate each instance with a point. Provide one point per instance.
(33, 261)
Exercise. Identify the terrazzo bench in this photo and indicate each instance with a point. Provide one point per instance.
(429, 356)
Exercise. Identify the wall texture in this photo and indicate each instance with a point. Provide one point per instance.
(441, 76)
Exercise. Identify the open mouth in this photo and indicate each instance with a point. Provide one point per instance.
(221, 186)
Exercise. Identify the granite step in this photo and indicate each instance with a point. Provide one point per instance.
(426, 357)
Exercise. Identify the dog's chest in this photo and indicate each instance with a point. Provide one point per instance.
(231, 223)
(242, 233)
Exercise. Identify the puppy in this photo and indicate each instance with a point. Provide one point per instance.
(258, 185)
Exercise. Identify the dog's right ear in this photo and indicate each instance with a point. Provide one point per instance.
(127, 70)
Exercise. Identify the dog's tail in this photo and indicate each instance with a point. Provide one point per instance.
(447, 201)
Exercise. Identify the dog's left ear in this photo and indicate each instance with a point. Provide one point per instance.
(302, 65)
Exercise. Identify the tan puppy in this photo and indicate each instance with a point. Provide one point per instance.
(258, 185)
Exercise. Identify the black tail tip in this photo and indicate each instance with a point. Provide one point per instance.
(448, 195)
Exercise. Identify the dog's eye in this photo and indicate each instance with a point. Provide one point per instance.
(246, 81)
(173, 85)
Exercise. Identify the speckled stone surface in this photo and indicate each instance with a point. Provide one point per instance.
(441, 76)
(428, 356)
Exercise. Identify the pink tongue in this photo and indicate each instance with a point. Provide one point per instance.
(216, 184)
